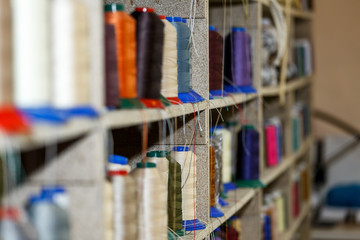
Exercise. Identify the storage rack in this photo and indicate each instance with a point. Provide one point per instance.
(81, 166)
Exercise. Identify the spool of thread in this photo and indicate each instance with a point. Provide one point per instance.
(175, 197)
(238, 57)
(273, 213)
(111, 67)
(183, 50)
(6, 59)
(216, 143)
(248, 154)
(125, 208)
(125, 33)
(215, 60)
(31, 25)
(267, 227)
(226, 153)
(70, 53)
(280, 206)
(232, 127)
(169, 83)
(151, 202)
(108, 211)
(212, 176)
(214, 212)
(187, 160)
(118, 163)
(10, 228)
(3, 171)
(162, 163)
(295, 196)
(236, 224)
(50, 220)
(150, 44)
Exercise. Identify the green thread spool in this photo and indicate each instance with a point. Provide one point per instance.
(175, 197)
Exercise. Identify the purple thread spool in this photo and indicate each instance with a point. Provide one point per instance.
(241, 63)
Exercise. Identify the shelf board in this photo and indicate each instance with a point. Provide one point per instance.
(230, 101)
(43, 134)
(295, 226)
(132, 117)
(292, 85)
(270, 174)
(237, 200)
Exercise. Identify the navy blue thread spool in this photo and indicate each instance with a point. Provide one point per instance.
(248, 154)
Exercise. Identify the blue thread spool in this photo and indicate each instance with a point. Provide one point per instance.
(248, 154)
(186, 94)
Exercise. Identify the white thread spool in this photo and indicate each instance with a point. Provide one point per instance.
(151, 202)
(118, 163)
(227, 153)
(70, 54)
(169, 83)
(162, 164)
(108, 211)
(124, 206)
(50, 220)
(5, 52)
(31, 53)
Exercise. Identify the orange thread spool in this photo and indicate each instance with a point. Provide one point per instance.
(125, 34)
(212, 176)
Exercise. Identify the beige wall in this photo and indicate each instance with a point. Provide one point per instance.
(337, 60)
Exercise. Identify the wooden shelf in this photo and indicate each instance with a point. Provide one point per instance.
(237, 200)
(292, 85)
(270, 174)
(231, 100)
(127, 118)
(296, 224)
(42, 134)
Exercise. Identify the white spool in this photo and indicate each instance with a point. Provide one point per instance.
(169, 83)
(70, 54)
(125, 208)
(162, 164)
(31, 53)
(227, 154)
(108, 211)
(151, 203)
(187, 160)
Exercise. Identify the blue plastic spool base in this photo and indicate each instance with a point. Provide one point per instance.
(239, 89)
(190, 97)
(223, 203)
(215, 213)
(229, 187)
(58, 116)
(192, 225)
